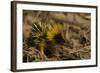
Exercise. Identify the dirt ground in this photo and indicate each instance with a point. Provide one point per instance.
(55, 36)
